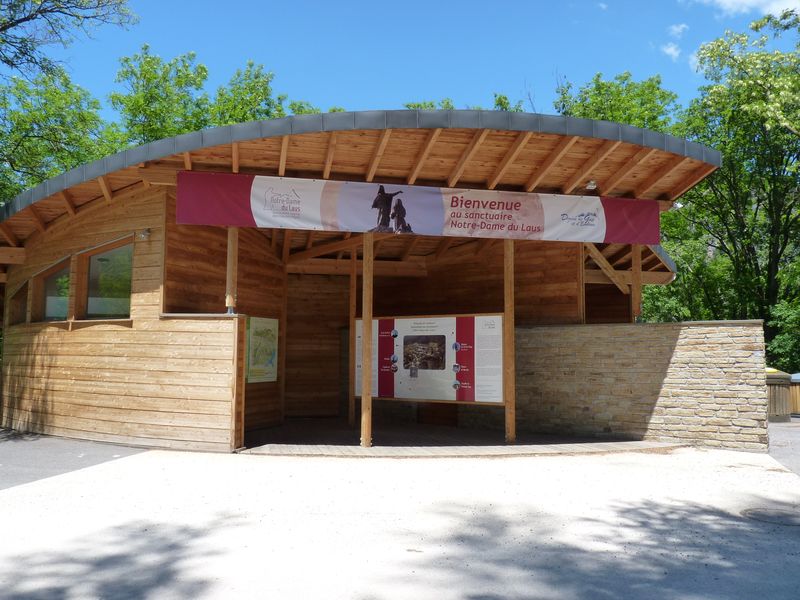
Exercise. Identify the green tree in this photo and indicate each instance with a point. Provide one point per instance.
(622, 99)
(47, 126)
(443, 104)
(247, 97)
(162, 98)
(27, 27)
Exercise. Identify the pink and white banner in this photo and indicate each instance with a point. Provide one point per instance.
(310, 204)
(457, 359)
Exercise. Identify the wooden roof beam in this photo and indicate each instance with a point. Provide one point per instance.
(560, 150)
(326, 248)
(310, 238)
(423, 155)
(105, 188)
(284, 156)
(382, 268)
(634, 161)
(68, 203)
(586, 168)
(187, 161)
(689, 182)
(444, 246)
(326, 170)
(286, 249)
(378, 155)
(235, 157)
(484, 245)
(341, 252)
(12, 256)
(37, 219)
(410, 248)
(648, 277)
(606, 268)
(5, 231)
(468, 153)
(649, 183)
(509, 158)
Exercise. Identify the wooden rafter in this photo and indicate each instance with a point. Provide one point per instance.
(310, 238)
(326, 248)
(484, 245)
(326, 171)
(235, 157)
(423, 155)
(5, 231)
(187, 161)
(586, 168)
(68, 203)
(105, 188)
(386, 268)
(37, 219)
(648, 277)
(657, 176)
(468, 153)
(341, 252)
(443, 247)
(378, 155)
(634, 161)
(273, 240)
(284, 155)
(606, 268)
(509, 158)
(410, 248)
(287, 245)
(12, 256)
(560, 150)
(689, 182)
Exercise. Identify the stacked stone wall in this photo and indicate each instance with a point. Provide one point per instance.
(699, 383)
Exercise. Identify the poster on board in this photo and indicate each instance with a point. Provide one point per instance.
(459, 359)
(262, 349)
(244, 200)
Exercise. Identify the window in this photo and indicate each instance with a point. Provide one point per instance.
(18, 306)
(108, 282)
(51, 293)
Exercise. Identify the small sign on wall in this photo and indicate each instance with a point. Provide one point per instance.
(456, 359)
(262, 349)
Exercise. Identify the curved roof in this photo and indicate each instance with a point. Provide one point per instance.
(451, 148)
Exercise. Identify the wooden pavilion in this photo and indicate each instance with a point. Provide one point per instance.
(168, 368)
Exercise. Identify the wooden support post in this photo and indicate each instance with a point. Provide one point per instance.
(366, 342)
(232, 270)
(283, 337)
(636, 281)
(581, 283)
(509, 350)
(351, 406)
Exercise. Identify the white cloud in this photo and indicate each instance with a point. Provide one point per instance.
(737, 7)
(672, 50)
(602, 5)
(677, 31)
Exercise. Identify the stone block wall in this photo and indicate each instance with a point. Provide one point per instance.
(699, 383)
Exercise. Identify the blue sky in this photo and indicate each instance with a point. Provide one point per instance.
(376, 55)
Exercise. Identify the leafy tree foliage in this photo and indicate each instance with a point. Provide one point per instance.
(27, 26)
(47, 126)
(622, 99)
(247, 97)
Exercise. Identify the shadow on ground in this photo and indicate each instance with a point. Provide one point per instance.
(136, 561)
(650, 550)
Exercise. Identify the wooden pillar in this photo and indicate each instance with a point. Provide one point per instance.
(366, 340)
(232, 270)
(509, 347)
(283, 336)
(581, 284)
(636, 281)
(351, 406)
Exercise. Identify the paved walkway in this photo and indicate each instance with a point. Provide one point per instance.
(178, 525)
(784, 443)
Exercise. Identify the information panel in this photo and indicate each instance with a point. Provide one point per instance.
(262, 349)
(459, 359)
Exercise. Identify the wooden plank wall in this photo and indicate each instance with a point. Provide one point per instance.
(546, 284)
(318, 311)
(195, 283)
(147, 381)
(606, 304)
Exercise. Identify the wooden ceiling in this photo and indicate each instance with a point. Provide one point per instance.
(478, 158)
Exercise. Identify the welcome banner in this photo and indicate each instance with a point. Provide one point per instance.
(310, 204)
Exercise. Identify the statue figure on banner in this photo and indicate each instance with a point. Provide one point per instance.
(399, 216)
(383, 202)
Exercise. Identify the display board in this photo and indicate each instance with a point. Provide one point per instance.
(262, 349)
(458, 359)
(291, 203)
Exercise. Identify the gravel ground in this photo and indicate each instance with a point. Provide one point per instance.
(188, 525)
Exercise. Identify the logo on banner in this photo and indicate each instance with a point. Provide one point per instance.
(282, 204)
(587, 219)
